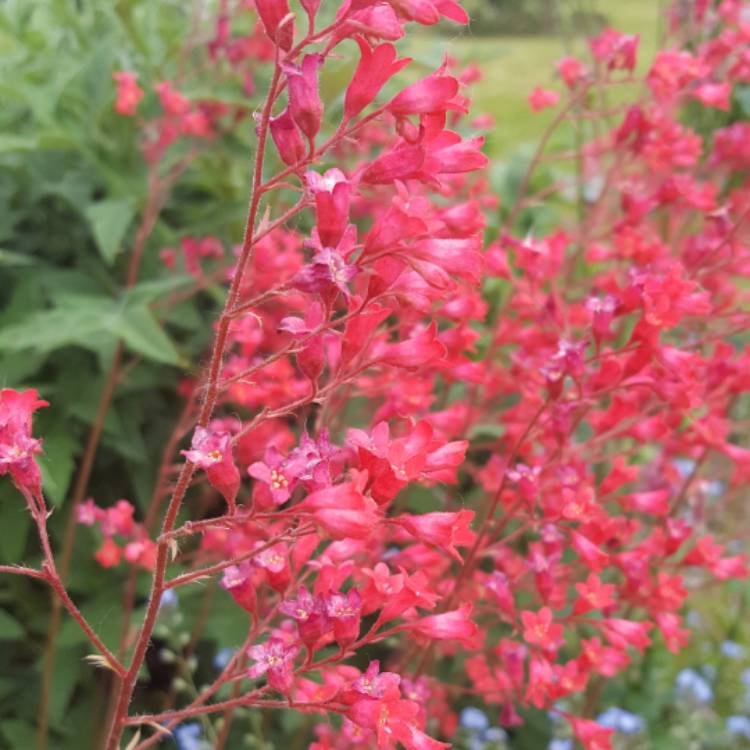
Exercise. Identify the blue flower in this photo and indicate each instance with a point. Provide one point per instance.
(739, 725)
(691, 684)
(715, 488)
(732, 650)
(560, 744)
(621, 721)
(222, 658)
(495, 734)
(684, 466)
(474, 719)
(168, 599)
(189, 736)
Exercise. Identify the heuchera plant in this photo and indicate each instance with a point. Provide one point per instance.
(559, 443)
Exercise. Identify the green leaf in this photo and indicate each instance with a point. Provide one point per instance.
(14, 524)
(109, 221)
(8, 258)
(742, 95)
(77, 319)
(57, 464)
(10, 628)
(141, 333)
(150, 291)
(10, 142)
(91, 322)
(67, 673)
(18, 733)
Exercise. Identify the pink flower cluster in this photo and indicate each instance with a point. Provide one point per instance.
(118, 521)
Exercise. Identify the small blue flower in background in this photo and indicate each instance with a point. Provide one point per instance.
(190, 736)
(691, 684)
(222, 658)
(474, 719)
(715, 488)
(495, 734)
(732, 650)
(745, 677)
(168, 599)
(621, 720)
(739, 725)
(684, 465)
(560, 744)
(693, 619)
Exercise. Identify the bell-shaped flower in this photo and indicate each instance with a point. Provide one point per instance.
(212, 451)
(343, 511)
(375, 67)
(305, 105)
(442, 530)
(272, 13)
(331, 192)
(435, 93)
(274, 658)
(309, 612)
(239, 581)
(456, 625)
(287, 138)
(345, 612)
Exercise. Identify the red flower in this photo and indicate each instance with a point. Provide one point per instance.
(715, 95)
(129, 93)
(343, 511)
(17, 446)
(443, 530)
(274, 658)
(212, 451)
(572, 71)
(392, 464)
(591, 735)
(118, 519)
(375, 67)
(278, 475)
(540, 630)
(454, 625)
(345, 612)
(588, 551)
(540, 99)
(305, 105)
(393, 721)
(287, 138)
(433, 94)
(272, 13)
(616, 50)
(626, 633)
(420, 350)
(309, 612)
(172, 101)
(428, 12)
(331, 192)
(376, 684)
(594, 595)
(239, 581)
(109, 554)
